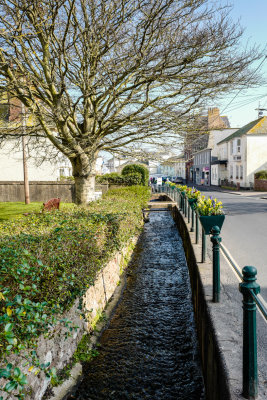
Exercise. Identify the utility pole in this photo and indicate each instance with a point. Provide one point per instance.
(260, 111)
(25, 166)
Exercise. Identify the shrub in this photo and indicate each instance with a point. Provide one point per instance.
(133, 179)
(261, 174)
(133, 168)
(47, 260)
(114, 178)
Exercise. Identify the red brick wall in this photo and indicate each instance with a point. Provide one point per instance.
(260, 184)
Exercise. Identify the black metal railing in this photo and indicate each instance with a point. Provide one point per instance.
(247, 286)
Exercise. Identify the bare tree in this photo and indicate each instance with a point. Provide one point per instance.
(109, 74)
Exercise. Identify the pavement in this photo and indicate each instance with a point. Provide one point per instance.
(242, 192)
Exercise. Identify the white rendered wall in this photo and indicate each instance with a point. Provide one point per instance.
(256, 155)
(11, 166)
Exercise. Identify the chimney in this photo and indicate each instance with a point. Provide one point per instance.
(214, 119)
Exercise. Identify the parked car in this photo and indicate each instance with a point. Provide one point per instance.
(179, 180)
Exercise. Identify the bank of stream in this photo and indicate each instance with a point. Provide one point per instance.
(149, 350)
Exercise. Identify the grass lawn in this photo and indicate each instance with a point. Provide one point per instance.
(10, 210)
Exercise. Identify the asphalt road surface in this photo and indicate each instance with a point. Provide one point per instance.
(244, 234)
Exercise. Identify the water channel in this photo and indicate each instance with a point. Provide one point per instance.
(149, 350)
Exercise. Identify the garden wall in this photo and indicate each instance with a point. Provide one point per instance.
(58, 349)
(41, 191)
(260, 184)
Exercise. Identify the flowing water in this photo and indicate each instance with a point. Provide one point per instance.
(149, 350)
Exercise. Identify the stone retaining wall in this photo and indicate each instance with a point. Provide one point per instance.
(260, 184)
(41, 191)
(58, 350)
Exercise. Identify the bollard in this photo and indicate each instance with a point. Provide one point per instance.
(250, 367)
(204, 247)
(216, 239)
(193, 221)
(197, 225)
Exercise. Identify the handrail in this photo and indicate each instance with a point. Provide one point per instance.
(256, 297)
(259, 303)
(229, 258)
(251, 298)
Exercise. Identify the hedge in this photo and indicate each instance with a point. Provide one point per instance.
(261, 174)
(132, 179)
(137, 168)
(48, 260)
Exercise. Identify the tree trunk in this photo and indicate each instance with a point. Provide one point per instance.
(83, 170)
(84, 189)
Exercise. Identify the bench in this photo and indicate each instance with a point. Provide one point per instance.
(52, 204)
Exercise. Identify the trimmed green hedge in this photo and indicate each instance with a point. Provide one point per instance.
(261, 174)
(137, 168)
(133, 179)
(47, 260)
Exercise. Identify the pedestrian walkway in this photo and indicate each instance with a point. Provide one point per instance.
(149, 350)
(242, 192)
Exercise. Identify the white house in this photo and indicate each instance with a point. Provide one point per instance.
(218, 161)
(205, 164)
(245, 152)
(173, 166)
(40, 167)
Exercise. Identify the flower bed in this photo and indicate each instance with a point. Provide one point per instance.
(204, 206)
(209, 210)
(47, 261)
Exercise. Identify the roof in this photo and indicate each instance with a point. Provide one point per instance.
(176, 158)
(202, 150)
(259, 126)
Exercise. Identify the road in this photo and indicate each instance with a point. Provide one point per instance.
(244, 234)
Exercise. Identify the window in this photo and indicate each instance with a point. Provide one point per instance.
(62, 172)
(241, 171)
(231, 172)
(231, 147)
(238, 145)
(237, 172)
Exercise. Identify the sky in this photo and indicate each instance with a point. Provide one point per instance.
(240, 107)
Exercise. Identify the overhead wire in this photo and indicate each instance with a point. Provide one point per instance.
(240, 90)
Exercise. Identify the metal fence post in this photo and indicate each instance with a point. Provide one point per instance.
(250, 367)
(216, 239)
(197, 226)
(193, 221)
(185, 207)
(204, 247)
(189, 212)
